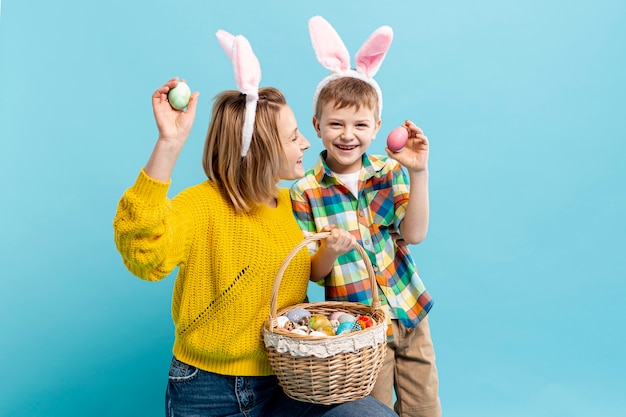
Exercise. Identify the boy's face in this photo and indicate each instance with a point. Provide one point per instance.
(346, 134)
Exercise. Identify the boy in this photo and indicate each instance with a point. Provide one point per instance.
(372, 198)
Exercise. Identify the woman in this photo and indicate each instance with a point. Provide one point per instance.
(228, 237)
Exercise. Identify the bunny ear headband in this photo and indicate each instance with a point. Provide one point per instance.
(247, 77)
(333, 55)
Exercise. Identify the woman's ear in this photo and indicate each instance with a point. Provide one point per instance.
(316, 126)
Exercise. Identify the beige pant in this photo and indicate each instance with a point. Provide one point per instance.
(410, 369)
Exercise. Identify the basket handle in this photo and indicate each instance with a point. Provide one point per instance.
(312, 238)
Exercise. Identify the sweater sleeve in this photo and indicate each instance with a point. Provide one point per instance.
(147, 230)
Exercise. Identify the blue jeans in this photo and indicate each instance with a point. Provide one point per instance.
(192, 392)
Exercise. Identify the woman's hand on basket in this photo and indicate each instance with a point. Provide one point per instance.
(338, 242)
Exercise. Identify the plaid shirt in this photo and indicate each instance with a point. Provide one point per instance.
(320, 199)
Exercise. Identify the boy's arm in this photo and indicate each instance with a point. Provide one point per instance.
(324, 253)
(414, 226)
(414, 157)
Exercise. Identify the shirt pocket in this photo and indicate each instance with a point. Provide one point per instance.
(381, 207)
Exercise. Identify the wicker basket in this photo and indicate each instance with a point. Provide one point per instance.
(333, 369)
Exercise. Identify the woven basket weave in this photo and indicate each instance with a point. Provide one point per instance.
(333, 369)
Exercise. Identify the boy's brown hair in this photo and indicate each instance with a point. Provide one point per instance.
(250, 180)
(348, 92)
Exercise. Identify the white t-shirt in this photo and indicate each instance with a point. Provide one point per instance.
(351, 181)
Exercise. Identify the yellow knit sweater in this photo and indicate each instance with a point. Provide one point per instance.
(227, 263)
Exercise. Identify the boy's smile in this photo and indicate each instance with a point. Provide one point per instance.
(346, 134)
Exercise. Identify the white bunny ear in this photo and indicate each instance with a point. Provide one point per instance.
(373, 51)
(329, 49)
(247, 77)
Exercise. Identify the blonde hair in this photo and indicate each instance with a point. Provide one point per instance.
(348, 92)
(250, 180)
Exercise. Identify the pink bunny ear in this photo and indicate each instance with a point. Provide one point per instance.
(329, 49)
(226, 41)
(247, 77)
(373, 51)
(333, 55)
(246, 66)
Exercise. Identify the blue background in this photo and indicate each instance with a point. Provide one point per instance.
(523, 103)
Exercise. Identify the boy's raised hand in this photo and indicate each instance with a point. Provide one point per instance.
(414, 155)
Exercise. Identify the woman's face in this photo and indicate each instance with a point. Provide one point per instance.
(294, 145)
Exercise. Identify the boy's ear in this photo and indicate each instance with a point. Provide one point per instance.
(378, 125)
(316, 126)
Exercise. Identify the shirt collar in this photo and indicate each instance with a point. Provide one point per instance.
(371, 164)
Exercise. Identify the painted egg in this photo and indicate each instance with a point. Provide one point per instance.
(397, 138)
(327, 330)
(334, 324)
(282, 321)
(346, 318)
(299, 331)
(318, 321)
(318, 333)
(356, 326)
(297, 314)
(179, 96)
(345, 327)
(365, 322)
(335, 315)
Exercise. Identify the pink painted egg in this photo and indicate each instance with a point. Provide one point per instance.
(397, 138)
(336, 314)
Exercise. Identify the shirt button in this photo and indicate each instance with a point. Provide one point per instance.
(375, 268)
(367, 241)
